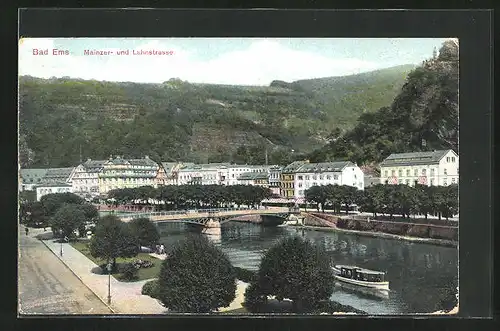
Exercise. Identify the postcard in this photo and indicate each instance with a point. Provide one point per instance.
(227, 176)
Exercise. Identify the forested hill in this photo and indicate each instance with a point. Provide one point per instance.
(63, 119)
(423, 116)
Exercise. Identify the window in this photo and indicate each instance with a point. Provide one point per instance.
(300, 184)
(407, 182)
(445, 171)
(386, 173)
(300, 178)
(453, 181)
(415, 172)
(407, 172)
(432, 172)
(424, 172)
(315, 177)
(400, 181)
(307, 177)
(393, 173)
(452, 159)
(320, 177)
(445, 182)
(335, 177)
(315, 184)
(447, 159)
(301, 192)
(328, 177)
(400, 173)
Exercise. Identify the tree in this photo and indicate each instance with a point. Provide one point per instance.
(145, 231)
(32, 214)
(112, 239)
(348, 196)
(52, 202)
(297, 270)
(68, 218)
(196, 277)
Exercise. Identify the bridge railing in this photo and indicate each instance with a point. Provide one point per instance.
(180, 212)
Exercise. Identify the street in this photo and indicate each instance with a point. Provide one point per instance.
(47, 286)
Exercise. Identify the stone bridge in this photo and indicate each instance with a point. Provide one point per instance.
(209, 219)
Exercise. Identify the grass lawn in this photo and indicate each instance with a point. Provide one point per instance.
(143, 274)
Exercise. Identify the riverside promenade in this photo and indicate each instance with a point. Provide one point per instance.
(126, 297)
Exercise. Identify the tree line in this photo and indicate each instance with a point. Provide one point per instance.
(192, 196)
(398, 199)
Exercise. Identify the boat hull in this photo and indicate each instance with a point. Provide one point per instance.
(374, 285)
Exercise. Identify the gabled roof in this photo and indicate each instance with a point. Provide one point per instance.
(143, 162)
(305, 167)
(93, 165)
(293, 167)
(325, 166)
(32, 176)
(416, 158)
(57, 173)
(253, 176)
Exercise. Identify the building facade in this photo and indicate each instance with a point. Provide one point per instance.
(29, 178)
(287, 179)
(435, 168)
(274, 179)
(85, 180)
(51, 188)
(121, 173)
(257, 178)
(327, 173)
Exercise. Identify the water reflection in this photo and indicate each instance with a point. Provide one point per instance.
(422, 277)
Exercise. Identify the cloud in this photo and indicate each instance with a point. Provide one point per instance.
(258, 64)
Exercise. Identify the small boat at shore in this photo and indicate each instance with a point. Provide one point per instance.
(361, 277)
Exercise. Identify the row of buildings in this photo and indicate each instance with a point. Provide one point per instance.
(97, 177)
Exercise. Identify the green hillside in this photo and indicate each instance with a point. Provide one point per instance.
(423, 116)
(62, 119)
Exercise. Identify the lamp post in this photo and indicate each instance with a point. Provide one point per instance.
(61, 241)
(109, 282)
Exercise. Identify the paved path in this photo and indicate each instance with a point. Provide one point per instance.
(126, 298)
(47, 286)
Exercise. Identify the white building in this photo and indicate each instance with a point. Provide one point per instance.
(201, 174)
(308, 175)
(50, 188)
(435, 168)
(85, 179)
(233, 172)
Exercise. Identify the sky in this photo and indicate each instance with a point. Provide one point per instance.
(237, 61)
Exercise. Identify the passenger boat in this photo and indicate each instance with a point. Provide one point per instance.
(361, 277)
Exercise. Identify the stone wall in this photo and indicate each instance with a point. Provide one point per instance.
(401, 228)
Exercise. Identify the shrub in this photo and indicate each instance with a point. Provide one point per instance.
(254, 298)
(129, 271)
(245, 275)
(197, 277)
(151, 288)
(297, 270)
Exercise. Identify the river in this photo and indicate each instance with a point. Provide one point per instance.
(421, 276)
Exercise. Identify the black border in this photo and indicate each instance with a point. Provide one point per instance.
(471, 27)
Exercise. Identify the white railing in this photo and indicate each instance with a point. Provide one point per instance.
(180, 212)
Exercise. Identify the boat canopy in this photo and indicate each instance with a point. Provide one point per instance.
(370, 272)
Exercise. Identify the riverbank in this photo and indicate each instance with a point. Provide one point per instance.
(433, 241)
